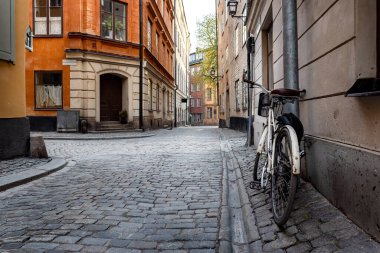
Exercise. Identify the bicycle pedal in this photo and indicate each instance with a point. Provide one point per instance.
(255, 185)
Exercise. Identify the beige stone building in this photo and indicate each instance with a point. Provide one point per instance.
(338, 46)
(182, 41)
(232, 62)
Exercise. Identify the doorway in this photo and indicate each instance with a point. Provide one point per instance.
(111, 91)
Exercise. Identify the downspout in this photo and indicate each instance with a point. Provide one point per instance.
(175, 64)
(217, 60)
(141, 122)
(187, 81)
(250, 50)
(291, 79)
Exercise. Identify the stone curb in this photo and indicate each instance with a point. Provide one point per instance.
(24, 177)
(239, 205)
(98, 138)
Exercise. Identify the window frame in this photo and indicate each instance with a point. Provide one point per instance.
(149, 35)
(113, 22)
(47, 35)
(35, 90)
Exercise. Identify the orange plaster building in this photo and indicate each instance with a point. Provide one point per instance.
(86, 58)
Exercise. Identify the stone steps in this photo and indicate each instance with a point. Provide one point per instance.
(114, 126)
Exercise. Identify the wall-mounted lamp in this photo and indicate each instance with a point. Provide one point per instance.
(213, 74)
(232, 8)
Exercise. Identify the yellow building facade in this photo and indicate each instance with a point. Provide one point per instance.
(14, 126)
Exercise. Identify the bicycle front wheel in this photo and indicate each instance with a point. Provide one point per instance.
(284, 182)
(261, 159)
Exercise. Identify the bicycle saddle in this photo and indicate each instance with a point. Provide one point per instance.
(286, 92)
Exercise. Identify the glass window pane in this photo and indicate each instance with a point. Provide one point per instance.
(106, 25)
(55, 3)
(119, 9)
(48, 88)
(40, 3)
(55, 24)
(106, 5)
(120, 28)
(40, 19)
(55, 12)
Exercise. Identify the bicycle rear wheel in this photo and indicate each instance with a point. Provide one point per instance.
(261, 159)
(284, 182)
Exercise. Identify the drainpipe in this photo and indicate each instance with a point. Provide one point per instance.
(217, 61)
(187, 81)
(250, 51)
(175, 64)
(141, 122)
(291, 80)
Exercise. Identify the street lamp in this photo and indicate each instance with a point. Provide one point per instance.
(232, 8)
(213, 74)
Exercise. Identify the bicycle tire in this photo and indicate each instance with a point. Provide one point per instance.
(260, 159)
(284, 182)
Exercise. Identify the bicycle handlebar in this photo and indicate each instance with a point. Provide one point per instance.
(302, 92)
(256, 84)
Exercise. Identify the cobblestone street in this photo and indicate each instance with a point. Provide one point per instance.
(159, 193)
(164, 193)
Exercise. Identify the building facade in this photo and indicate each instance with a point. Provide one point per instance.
(232, 59)
(203, 95)
(86, 58)
(195, 89)
(14, 126)
(338, 46)
(182, 39)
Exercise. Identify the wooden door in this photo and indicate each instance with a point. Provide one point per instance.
(110, 97)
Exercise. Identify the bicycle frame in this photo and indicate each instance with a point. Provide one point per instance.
(271, 128)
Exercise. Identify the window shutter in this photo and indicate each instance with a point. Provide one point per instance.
(7, 31)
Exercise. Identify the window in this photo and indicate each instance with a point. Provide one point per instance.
(150, 95)
(237, 41)
(237, 95)
(198, 87)
(149, 30)
(113, 20)
(7, 28)
(192, 87)
(244, 30)
(192, 102)
(244, 101)
(226, 58)
(268, 37)
(157, 43)
(163, 54)
(208, 94)
(157, 98)
(209, 112)
(199, 103)
(48, 89)
(223, 21)
(48, 17)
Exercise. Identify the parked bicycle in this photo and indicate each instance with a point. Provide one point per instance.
(278, 154)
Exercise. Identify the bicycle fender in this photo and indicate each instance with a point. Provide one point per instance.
(262, 140)
(295, 147)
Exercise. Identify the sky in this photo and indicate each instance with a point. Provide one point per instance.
(195, 10)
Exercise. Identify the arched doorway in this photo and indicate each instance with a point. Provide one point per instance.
(111, 93)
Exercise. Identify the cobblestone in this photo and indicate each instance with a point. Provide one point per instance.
(18, 165)
(157, 194)
(314, 225)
